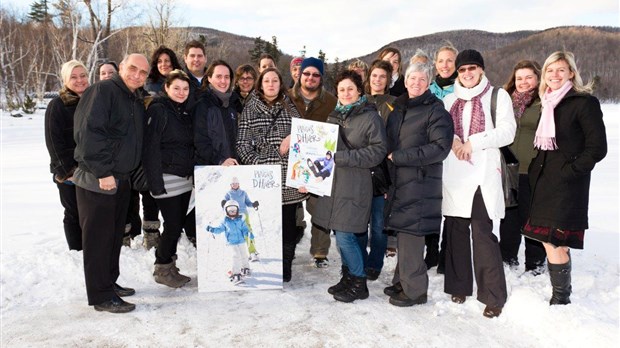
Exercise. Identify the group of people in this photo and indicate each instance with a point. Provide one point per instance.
(437, 137)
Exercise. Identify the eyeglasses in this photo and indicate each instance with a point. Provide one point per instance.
(307, 74)
(246, 79)
(469, 68)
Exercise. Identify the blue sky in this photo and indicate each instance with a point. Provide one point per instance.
(347, 29)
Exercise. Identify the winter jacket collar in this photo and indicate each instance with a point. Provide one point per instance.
(68, 97)
(138, 94)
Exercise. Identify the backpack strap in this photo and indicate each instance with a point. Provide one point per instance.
(494, 104)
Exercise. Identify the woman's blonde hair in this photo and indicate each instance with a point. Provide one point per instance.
(67, 68)
(569, 58)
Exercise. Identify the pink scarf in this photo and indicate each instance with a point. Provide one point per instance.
(545, 133)
(477, 124)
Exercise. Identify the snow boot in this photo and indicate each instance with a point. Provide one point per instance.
(343, 283)
(151, 234)
(127, 236)
(175, 270)
(356, 290)
(560, 282)
(166, 274)
(402, 300)
(393, 290)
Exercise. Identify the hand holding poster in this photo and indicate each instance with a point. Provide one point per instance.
(311, 156)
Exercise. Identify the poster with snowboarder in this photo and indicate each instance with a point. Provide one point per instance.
(311, 160)
(239, 227)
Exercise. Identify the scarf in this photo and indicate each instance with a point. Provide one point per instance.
(545, 133)
(521, 100)
(443, 82)
(223, 97)
(68, 97)
(345, 109)
(477, 124)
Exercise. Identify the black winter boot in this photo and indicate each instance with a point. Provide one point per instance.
(356, 290)
(288, 254)
(343, 283)
(560, 282)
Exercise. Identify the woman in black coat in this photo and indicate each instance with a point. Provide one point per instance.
(216, 118)
(570, 140)
(168, 160)
(60, 144)
(420, 134)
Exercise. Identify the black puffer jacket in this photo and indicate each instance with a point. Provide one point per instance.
(168, 143)
(59, 134)
(560, 179)
(109, 129)
(215, 128)
(420, 133)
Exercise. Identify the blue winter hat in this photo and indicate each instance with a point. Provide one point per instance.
(311, 61)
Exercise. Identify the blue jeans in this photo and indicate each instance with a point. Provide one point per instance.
(350, 246)
(378, 239)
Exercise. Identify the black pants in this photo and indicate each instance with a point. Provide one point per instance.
(488, 266)
(71, 220)
(150, 211)
(289, 231)
(174, 212)
(511, 226)
(102, 218)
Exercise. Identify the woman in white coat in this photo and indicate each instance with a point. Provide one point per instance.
(472, 187)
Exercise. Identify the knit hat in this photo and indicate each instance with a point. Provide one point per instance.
(317, 63)
(296, 61)
(469, 57)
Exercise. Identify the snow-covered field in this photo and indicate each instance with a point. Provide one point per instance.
(44, 299)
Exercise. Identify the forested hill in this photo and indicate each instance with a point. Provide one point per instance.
(596, 50)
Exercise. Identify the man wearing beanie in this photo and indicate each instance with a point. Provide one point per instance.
(314, 103)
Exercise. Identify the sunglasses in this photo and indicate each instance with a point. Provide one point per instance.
(469, 68)
(246, 79)
(308, 74)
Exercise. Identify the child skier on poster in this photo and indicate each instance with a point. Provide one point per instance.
(244, 201)
(236, 232)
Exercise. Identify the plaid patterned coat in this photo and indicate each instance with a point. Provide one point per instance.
(261, 131)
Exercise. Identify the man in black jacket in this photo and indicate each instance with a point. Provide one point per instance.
(108, 132)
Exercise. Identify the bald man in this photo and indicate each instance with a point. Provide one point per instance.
(108, 130)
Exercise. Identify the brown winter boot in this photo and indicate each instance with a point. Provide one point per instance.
(175, 270)
(165, 274)
(127, 236)
(151, 234)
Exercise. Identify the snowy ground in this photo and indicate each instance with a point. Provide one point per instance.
(44, 301)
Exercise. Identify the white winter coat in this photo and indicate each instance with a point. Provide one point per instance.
(461, 178)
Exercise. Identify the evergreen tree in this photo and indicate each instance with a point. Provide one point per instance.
(261, 46)
(39, 12)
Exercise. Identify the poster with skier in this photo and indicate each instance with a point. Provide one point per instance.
(311, 160)
(238, 227)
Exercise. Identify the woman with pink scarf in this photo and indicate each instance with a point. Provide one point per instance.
(570, 139)
(472, 186)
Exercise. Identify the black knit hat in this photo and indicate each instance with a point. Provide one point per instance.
(311, 61)
(469, 57)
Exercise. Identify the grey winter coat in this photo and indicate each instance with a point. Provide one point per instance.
(420, 133)
(347, 209)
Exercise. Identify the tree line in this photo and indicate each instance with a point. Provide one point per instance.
(33, 46)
